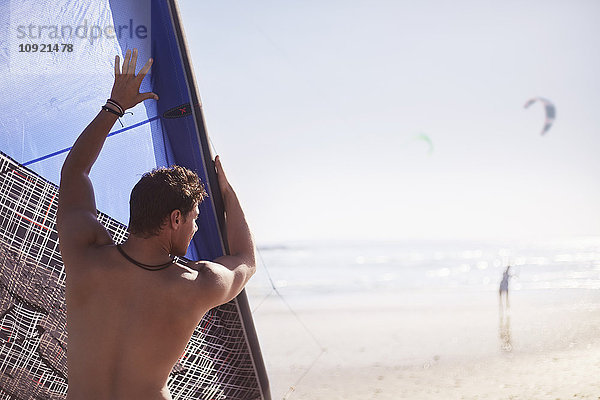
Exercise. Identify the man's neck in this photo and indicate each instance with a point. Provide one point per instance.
(152, 251)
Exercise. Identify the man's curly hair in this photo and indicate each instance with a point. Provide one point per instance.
(158, 193)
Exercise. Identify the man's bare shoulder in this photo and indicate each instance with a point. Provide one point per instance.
(85, 257)
(78, 229)
(210, 281)
(202, 272)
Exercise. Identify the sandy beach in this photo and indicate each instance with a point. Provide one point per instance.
(407, 346)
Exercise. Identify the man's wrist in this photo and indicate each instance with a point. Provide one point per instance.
(110, 111)
(117, 105)
(112, 107)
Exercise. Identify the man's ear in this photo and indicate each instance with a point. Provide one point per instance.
(175, 219)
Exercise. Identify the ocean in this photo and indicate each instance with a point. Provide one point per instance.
(318, 274)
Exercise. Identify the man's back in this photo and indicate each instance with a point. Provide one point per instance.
(127, 326)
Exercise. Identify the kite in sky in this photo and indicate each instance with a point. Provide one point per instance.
(550, 112)
(423, 137)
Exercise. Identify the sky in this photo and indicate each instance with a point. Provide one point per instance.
(315, 108)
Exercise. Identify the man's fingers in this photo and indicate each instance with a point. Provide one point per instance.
(147, 96)
(129, 85)
(221, 177)
(133, 62)
(126, 62)
(145, 69)
(219, 168)
(117, 65)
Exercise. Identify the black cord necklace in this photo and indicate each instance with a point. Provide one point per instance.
(174, 260)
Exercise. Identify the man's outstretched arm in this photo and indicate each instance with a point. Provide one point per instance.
(76, 218)
(230, 273)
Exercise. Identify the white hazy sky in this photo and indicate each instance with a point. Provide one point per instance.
(314, 107)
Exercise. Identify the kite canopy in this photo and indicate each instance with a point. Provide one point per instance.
(423, 137)
(550, 111)
(56, 71)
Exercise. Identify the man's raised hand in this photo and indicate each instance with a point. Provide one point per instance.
(224, 184)
(126, 88)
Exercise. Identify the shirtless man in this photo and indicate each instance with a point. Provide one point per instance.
(127, 325)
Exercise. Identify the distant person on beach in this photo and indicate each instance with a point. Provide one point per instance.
(504, 288)
(132, 308)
